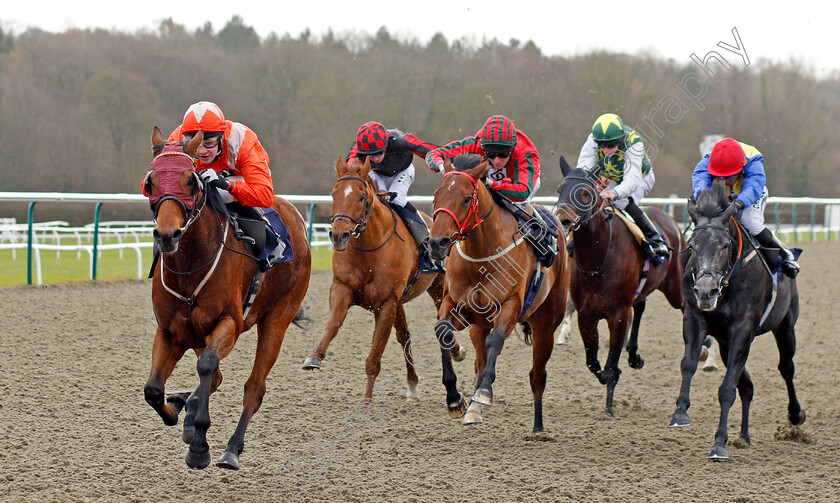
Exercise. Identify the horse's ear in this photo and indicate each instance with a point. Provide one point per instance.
(192, 147)
(479, 171)
(564, 166)
(691, 206)
(447, 165)
(340, 167)
(157, 141)
(365, 168)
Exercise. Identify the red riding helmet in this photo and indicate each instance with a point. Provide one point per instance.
(727, 158)
(498, 134)
(371, 139)
(204, 115)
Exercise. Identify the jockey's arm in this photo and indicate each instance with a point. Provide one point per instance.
(754, 181)
(588, 157)
(525, 172)
(700, 177)
(633, 157)
(256, 189)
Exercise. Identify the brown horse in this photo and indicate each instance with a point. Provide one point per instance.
(487, 287)
(609, 274)
(201, 283)
(375, 266)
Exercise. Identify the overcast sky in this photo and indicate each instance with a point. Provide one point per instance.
(667, 29)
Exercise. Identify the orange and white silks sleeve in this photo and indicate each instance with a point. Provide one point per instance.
(252, 164)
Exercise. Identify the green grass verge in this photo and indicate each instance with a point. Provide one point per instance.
(72, 267)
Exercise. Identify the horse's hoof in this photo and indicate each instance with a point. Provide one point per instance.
(198, 460)
(457, 409)
(411, 394)
(483, 396)
(679, 419)
(178, 398)
(600, 375)
(312, 363)
(460, 355)
(709, 368)
(718, 453)
(609, 413)
(473, 417)
(704, 353)
(636, 362)
(228, 460)
(801, 420)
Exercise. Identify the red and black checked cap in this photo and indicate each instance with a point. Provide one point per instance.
(498, 131)
(372, 138)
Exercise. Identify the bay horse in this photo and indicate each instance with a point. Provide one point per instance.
(488, 286)
(375, 266)
(201, 282)
(734, 296)
(609, 276)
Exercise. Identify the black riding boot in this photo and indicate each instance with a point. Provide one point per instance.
(541, 237)
(768, 240)
(660, 251)
(420, 233)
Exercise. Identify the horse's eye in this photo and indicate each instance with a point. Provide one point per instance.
(467, 200)
(361, 198)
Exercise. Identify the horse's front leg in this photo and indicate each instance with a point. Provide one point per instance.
(384, 315)
(588, 327)
(618, 323)
(504, 322)
(445, 333)
(270, 334)
(735, 355)
(341, 298)
(165, 355)
(694, 332)
(219, 345)
(634, 358)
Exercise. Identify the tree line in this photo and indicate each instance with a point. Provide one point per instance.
(77, 108)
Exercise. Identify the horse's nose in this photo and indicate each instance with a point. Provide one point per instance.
(339, 240)
(167, 242)
(439, 247)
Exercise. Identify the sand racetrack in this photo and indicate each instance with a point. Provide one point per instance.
(75, 427)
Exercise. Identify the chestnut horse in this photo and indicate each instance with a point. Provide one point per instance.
(201, 283)
(375, 266)
(610, 276)
(732, 295)
(487, 288)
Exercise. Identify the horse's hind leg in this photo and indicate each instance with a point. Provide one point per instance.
(786, 342)
(541, 350)
(635, 359)
(618, 324)
(404, 338)
(165, 356)
(341, 298)
(270, 334)
(566, 324)
(745, 391)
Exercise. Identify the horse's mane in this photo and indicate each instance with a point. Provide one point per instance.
(712, 201)
(463, 162)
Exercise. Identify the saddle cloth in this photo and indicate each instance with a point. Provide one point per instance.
(277, 235)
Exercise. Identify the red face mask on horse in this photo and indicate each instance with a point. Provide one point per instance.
(166, 175)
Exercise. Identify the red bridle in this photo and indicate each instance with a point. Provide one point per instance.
(462, 226)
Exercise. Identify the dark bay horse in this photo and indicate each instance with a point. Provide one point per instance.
(375, 266)
(487, 288)
(609, 276)
(732, 295)
(201, 282)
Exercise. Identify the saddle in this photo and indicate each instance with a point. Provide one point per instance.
(537, 226)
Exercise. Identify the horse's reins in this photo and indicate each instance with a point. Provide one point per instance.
(462, 232)
(578, 221)
(361, 223)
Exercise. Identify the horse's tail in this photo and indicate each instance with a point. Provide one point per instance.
(302, 319)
